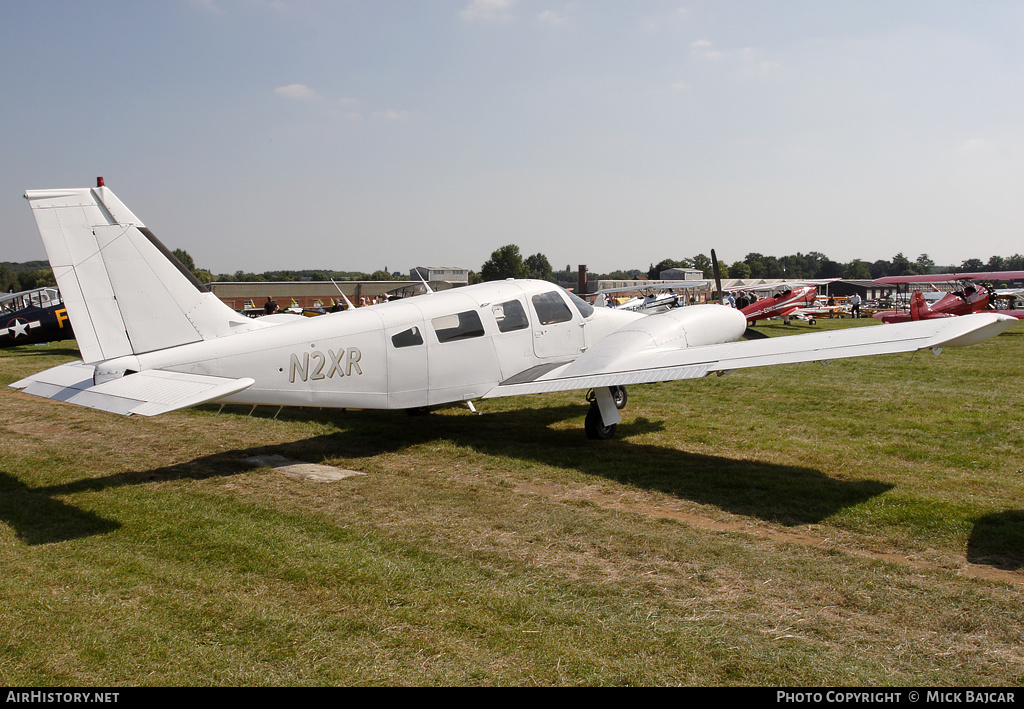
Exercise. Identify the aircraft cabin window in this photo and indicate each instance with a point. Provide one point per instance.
(407, 338)
(462, 326)
(585, 308)
(551, 308)
(511, 316)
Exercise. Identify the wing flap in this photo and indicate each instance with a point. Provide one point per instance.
(146, 393)
(638, 365)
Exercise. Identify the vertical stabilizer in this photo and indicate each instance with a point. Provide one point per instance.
(919, 309)
(124, 291)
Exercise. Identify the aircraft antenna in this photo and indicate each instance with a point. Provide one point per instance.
(348, 303)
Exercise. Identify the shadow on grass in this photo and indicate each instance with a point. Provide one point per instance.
(998, 540)
(37, 518)
(784, 494)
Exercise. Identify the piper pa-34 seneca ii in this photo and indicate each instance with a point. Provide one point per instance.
(153, 339)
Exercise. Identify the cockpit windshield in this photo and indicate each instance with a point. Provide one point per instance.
(585, 308)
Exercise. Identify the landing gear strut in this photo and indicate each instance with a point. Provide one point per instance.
(603, 416)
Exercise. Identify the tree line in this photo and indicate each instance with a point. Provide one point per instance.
(15, 277)
(508, 262)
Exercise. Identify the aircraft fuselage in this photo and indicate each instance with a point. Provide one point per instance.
(454, 345)
(781, 305)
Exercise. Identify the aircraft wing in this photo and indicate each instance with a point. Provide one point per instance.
(630, 359)
(781, 285)
(657, 285)
(146, 393)
(950, 277)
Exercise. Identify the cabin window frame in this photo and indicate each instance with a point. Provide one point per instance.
(468, 326)
(510, 321)
(552, 309)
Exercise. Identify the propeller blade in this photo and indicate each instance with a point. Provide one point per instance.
(718, 275)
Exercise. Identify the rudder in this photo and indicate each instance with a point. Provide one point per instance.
(124, 291)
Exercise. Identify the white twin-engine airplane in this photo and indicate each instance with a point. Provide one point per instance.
(153, 339)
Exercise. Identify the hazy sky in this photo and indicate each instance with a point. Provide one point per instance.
(358, 135)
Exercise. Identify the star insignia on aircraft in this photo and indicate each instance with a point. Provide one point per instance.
(19, 328)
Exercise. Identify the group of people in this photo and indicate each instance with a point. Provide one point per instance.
(739, 301)
(271, 306)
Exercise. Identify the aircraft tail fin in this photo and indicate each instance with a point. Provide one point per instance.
(919, 309)
(124, 291)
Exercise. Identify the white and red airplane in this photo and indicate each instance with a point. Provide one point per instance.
(790, 300)
(975, 296)
(154, 340)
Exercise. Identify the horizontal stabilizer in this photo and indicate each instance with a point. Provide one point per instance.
(147, 393)
(612, 363)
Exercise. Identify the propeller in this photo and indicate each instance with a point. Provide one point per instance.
(718, 276)
(748, 334)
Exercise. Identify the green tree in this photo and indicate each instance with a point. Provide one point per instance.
(830, 269)
(704, 264)
(857, 269)
(901, 266)
(997, 263)
(8, 280)
(185, 258)
(538, 266)
(739, 269)
(504, 263)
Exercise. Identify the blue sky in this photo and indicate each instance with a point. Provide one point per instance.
(348, 135)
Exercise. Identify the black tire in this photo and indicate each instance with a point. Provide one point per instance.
(418, 411)
(595, 428)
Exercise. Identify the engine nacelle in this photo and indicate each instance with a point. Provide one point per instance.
(690, 326)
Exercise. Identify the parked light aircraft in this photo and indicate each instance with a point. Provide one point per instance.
(973, 297)
(657, 297)
(33, 316)
(791, 301)
(154, 340)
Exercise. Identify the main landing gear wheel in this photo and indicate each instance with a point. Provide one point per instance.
(594, 425)
(618, 395)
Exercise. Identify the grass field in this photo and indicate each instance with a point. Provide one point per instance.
(855, 524)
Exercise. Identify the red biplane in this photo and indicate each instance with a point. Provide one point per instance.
(975, 296)
(791, 300)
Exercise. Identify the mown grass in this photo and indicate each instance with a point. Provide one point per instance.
(853, 524)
